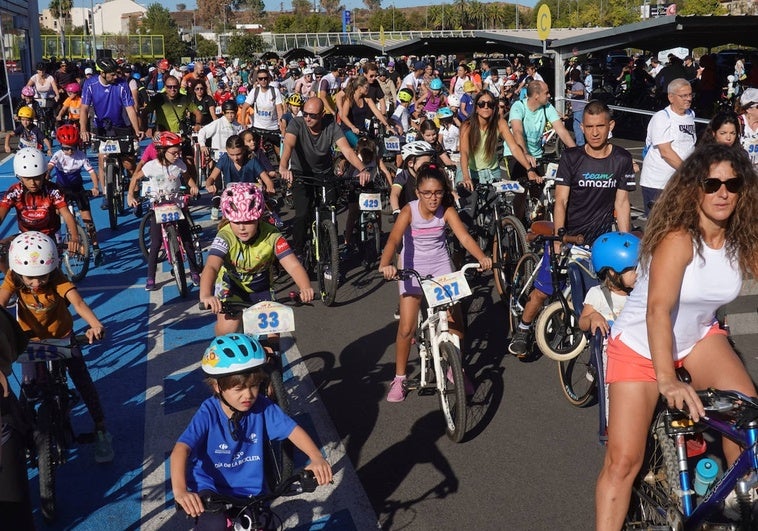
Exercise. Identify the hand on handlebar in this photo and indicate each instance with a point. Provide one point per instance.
(190, 502)
(306, 295)
(681, 396)
(212, 303)
(84, 135)
(389, 272)
(485, 264)
(321, 469)
(194, 190)
(468, 184)
(96, 332)
(364, 177)
(130, 200)
(286, 175)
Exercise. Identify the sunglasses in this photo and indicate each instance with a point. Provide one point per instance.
(312, 115)
(172, 87)
(67, 148)
(713, 185)
(263, 78)
(486, 104)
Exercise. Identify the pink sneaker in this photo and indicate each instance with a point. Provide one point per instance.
(397, 392)
(468, 385)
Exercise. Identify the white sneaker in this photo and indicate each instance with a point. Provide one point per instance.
(214, 214)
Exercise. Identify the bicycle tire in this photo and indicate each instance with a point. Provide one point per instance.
(453, 396)
(377, 225)
(553, 338)
(144, 237)
(480, 232)
(47, 461)
(110, 195)
(121, 191)
(328, 262)
(520, 287)
(579, 379)
(508, 247)
(76, 265)
(177, 265)
(282, 451)
(654, 492)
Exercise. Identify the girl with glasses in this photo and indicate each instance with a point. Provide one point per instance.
(698, 245)
(420, 229)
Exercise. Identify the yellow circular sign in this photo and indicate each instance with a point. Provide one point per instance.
(544, 20)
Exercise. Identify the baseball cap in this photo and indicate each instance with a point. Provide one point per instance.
(391, 63)
(307, 71)
(749, 97)
(88, 70)
(419, 65)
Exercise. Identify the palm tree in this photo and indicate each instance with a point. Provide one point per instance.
(59, 9)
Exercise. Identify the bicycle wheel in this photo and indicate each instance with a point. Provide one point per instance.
(47, 458)
(507, 249)
(452, 391)
(654, 493)
(579, 378)
(282, 452)
(557, 338)
(520, 287)
(121, 188)
(480, 232)
(328, 262)
(177, 264)
(376, 224)
(110, 195)
(144, 237)
(75, 264)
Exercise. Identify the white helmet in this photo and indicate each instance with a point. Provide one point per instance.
(453, 101)
(33, 254)
(29, 162)
(417, 148)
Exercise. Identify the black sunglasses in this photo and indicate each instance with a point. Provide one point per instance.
(712, 185)
(67, 148)
(312, 115)
(263, 78)
(488, 104)
(171, 87)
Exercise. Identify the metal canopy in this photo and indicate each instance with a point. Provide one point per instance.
(482, 42)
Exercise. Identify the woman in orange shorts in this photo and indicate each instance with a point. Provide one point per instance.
(692, 262)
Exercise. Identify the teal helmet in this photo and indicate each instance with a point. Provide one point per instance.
(444, 112)
(232, 354)
(435, 84)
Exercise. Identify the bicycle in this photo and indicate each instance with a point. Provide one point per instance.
(663, 496)
(47, 402)
(169, 210)
(262, 320)
(556, 329)
(116, 177)
(75, 265)
(269, 147)
(441, 370)
(255, 514)
(540, 205)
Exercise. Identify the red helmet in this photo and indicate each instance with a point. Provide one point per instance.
(68, 135)
(163, 64)
(167, 139)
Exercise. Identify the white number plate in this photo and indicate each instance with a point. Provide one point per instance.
(446, 288)
(410, 136)
(370, 201)
(268, 317)
(503, 187)
(167, 213)
(392, 143)
(110, 146)
(51, 350)
(552, 171)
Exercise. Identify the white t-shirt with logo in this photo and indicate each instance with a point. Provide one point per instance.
(265, 115)
(749, 140)
(666, 126)
(164, 179)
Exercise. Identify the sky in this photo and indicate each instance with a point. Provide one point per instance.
(273, 5)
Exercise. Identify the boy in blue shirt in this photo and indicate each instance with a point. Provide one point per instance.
(224, 443)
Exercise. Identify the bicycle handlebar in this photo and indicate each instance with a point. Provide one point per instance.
(405, 274)
(235, 307)
(532, 237)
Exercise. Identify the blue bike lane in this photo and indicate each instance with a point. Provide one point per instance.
(147, 373)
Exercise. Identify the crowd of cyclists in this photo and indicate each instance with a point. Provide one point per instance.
(263, 129)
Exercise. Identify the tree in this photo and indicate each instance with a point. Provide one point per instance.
(212, 13)
(701, 7)
(181, 7)
(301, 7)
(256, 8)
(245, 45)
(331, 7)
(157, 21)
(373, 5)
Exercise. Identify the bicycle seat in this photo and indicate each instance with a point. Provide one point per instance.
(542, 228)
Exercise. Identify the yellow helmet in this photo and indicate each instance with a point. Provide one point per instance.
(26, 112)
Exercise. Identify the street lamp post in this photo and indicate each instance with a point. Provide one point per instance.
(393, 18)
(92, 28)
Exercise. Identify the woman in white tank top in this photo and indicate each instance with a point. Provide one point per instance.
(692, 262)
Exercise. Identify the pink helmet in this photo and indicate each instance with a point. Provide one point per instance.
(27, 91)
(73, 87)
(242, 202)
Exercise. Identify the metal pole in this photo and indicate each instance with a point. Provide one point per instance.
(92, 28)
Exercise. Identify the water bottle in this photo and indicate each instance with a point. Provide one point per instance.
(706, 472)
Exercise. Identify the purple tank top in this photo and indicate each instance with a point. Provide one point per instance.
(424, 246)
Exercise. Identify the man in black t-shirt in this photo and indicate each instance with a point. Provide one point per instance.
(375, 92)
(308, 152)
(593, 182)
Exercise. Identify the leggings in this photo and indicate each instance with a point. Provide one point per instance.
(156, 241)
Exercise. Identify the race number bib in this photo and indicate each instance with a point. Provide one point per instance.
(268, 317)
(392, 143)
(168, 213)
(50, 350)
(503, 187)
(108, 147)
(446, 289)
(551, 171)
(370, 201)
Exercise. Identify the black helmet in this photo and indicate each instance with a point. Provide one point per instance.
(383, 72)
(229, 105)
(106, 65)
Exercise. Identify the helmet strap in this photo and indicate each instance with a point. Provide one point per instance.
(234, 424)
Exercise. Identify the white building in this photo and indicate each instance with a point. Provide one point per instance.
(110, 17)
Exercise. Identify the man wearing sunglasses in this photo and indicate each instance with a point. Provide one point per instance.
(268, 107)
(670, 139)
(308, 146)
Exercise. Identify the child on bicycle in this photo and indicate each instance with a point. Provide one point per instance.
(430, 133)
(27, 100)
(29, 135)
(614, 259)
(39, 204)
(241, 255)
(165, 175)
(253, 140)
(44, 295)
(420, 228)
(72, 104)
(65, 168)
(224, 444)
(220, 129)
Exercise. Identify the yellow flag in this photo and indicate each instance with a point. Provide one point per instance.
(381, 35)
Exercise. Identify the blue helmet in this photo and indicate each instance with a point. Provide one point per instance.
(617, 251)
(240, 99)
(137, 76)
(444, 112)
(436, 84)
(232, 354)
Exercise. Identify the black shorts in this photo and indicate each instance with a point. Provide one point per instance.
(78, 195)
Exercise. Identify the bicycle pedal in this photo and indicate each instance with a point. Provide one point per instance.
(429, 390)
(196, 229)
(411, 385)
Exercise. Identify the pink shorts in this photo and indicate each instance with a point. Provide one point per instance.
(626, 365)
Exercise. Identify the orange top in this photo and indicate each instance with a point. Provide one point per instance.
(45, 313)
